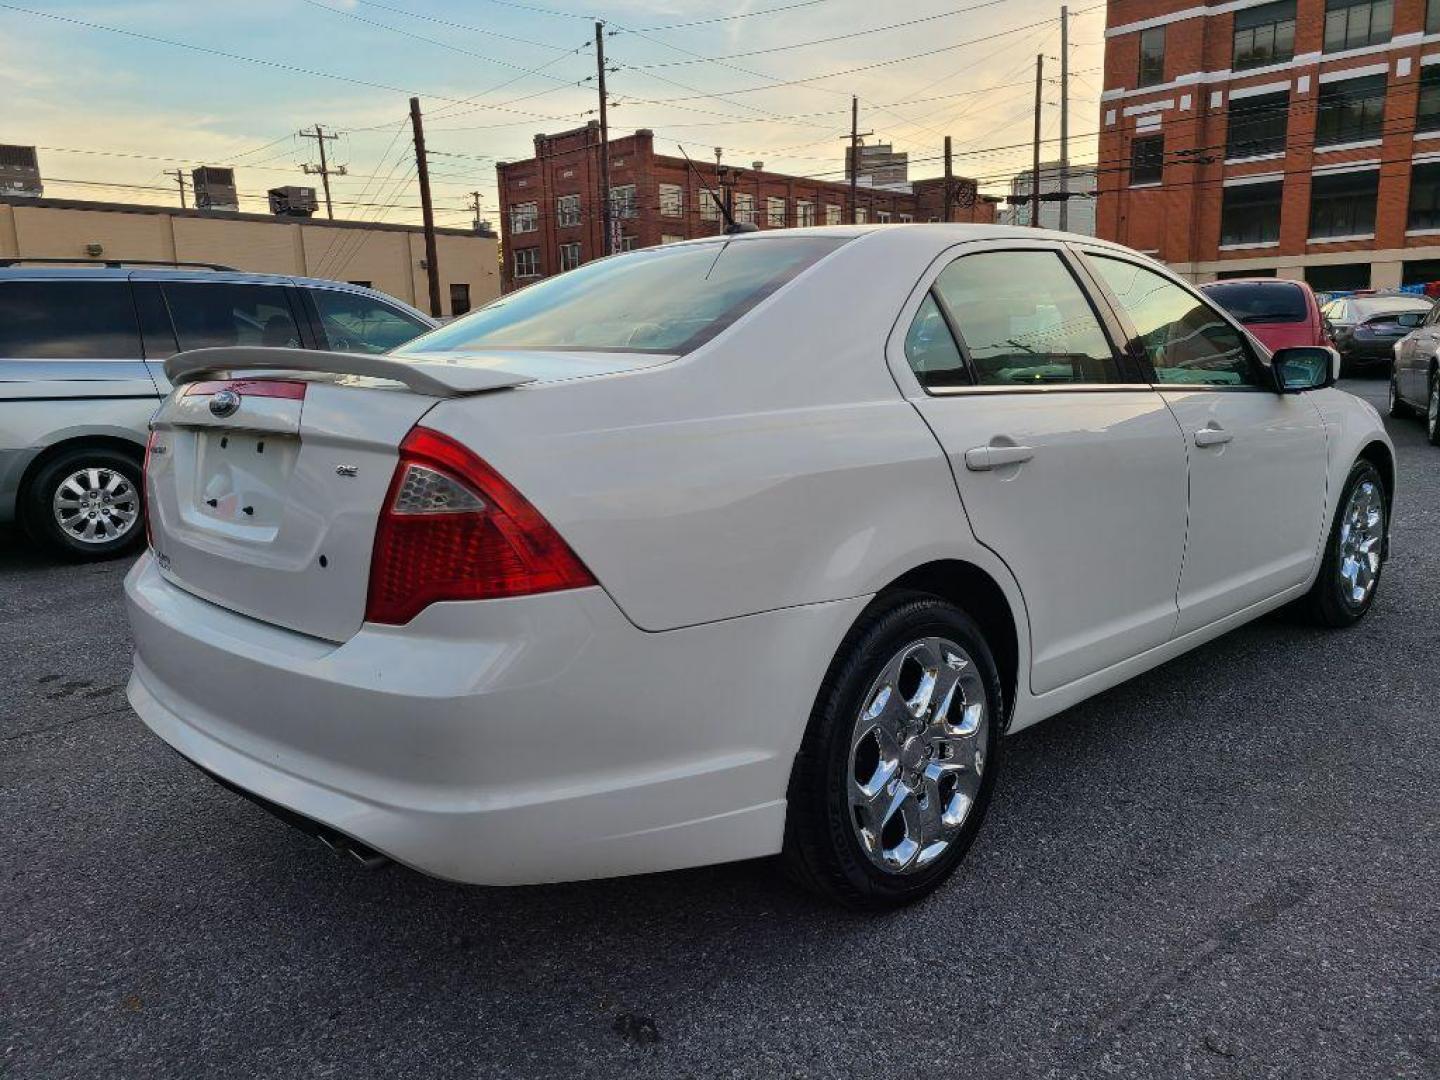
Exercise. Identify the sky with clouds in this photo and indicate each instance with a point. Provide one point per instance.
(147, 86)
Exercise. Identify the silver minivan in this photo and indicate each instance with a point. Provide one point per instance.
(82, 352)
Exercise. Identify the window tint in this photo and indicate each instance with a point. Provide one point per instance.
(1023, 320)
(1152, 57)
(1250, 213)
(1147, 159)
(1264, 35)
(1186, 340)
(662, 299)
(361, 324)
(72, 320)
(1250, 302)
(930, 348)
(1343, 204)
(207, 315)
(1256, 125)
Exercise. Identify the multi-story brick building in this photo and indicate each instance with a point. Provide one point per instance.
(549, 204)
(1290, 137)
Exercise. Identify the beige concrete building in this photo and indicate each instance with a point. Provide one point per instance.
(381, 255)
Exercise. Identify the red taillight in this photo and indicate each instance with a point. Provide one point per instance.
(145, 491)
(454, 529)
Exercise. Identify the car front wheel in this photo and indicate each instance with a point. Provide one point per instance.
(86, 504)
(899, 761)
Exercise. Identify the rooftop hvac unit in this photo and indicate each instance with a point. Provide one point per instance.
(293, 201)
(20, 172)
(215, 188)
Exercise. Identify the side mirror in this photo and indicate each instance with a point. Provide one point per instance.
(1304, 367)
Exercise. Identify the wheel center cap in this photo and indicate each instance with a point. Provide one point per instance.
(912, 755)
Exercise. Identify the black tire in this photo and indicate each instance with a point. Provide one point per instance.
(1328, 604)
(38, 516)
(822, 851)
(1432, 410)
(1398, 409)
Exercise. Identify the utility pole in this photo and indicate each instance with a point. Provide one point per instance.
(855, 136)
(607, 245)
(180, 179)
(427, 212)
(1064, 118)
(949, 183)
(475, 206)
(1035, 172)
(323, 170)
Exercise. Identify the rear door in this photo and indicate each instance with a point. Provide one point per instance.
(1257, 470)
(1068, 465)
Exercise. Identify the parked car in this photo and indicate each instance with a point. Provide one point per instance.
(1415, 377)
(1278, 312)
(81, 355)
(729, 548)
(1366, 328)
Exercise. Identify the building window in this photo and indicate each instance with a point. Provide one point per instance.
(744, 207)
(905, 219)
(668, 238)
(1432, 17)
(775, 213)
(524, 217)
(459, 298)
(569, 257)
(1250, 214)
(1424, 196)
(672, 200)
(862, 215)
(622, 201)
(1351, 111)
(567, 211)
(627, 243)
(882, 217)
(709, 208)
(1147, 159)
(1353, 24)
(1264, 35)
(1152, 57)
(1343, 204)
(832, 214)
(527, 263)
(1257, 125)
(1427, 108)
(805, 212)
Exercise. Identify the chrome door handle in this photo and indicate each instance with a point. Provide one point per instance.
(985, 458)
(1209, 436)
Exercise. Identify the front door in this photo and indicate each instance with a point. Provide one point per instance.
(1069, 468)
(1257, 458)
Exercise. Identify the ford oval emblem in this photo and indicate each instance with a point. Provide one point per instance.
(225, 403)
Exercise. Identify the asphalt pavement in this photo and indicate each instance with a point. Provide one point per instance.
(1229, 867)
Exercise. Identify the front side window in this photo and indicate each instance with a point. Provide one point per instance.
(1427, 108)
(524, 217)
(1353, 24)
(1343, 204)
(662, 299)
(81, 320)
(672, 200)
(1250, 213)
(622, 201)
(1424, 196)
(1351, 110)
(208, 314)
(353, 322)
(1264, 35)
(1186, 340)
(1023, 320)
(1257, 125)
(527, 263)
(1147, 159)
(567, 211)
(1152, 57)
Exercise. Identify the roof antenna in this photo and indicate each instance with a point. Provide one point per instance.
(731, 225)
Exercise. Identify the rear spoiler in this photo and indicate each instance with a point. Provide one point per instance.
(436, 378)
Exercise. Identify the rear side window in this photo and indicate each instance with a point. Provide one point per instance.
(1250, 302)
(68, 320)
(1024, 320)
(222, 313)
(664, 300)
(361, 324)
(930, 349)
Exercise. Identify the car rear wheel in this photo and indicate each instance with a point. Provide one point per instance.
(1398, 408)
(1432, 410)
(1354, 551)
(899, 761)
(86, 504)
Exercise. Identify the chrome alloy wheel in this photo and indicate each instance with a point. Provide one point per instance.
(917, 754)
(1362, 534)
(96, 505)
(1432, 409)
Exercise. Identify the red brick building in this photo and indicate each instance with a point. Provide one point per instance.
(549, 204)
(1290, 137)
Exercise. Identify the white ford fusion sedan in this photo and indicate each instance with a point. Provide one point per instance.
(736, 547)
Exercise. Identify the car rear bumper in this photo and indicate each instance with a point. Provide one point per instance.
(1364, 352)
(498, 742)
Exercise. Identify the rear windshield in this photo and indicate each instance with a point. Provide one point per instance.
(1365, 307)
(1260, 302)
(660, 300)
